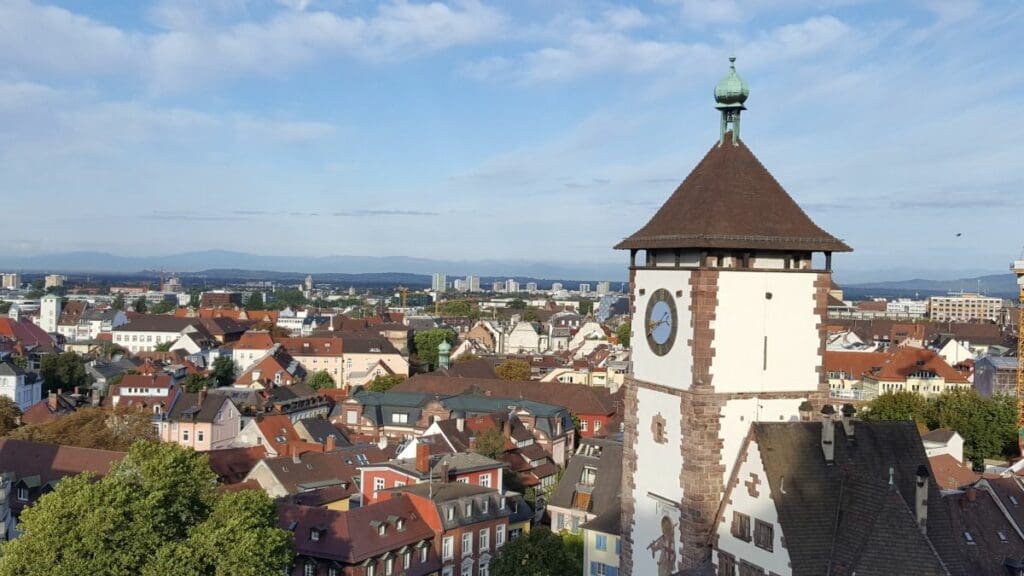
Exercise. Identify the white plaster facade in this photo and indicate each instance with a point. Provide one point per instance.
(759, 507)
(675, 368)
(14, 386)
(49, 312)
(766, 335)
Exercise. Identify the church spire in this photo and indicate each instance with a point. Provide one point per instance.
(730, 94)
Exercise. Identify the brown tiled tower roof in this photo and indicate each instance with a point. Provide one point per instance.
(731, 201)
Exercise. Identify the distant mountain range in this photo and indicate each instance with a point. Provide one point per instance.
(415, 271)
(1004, 285)
(70, 262)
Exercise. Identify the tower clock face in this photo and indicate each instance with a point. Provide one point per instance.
(660, 321)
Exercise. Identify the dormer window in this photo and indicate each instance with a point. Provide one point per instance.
(484, 506)
(469, 509)
(400, 524)
(451, 513)
(382, 529)
(314, 534)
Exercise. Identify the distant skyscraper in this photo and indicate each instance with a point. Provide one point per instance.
(473, 282)
(459, 285)
(556, 286)
(603, 288)
(498, 287)
(531, 287)
(10, 281)
(53, 281)
(49, 312)
(440, 283)
(511, 286)
(351, 290)
(584, 289)
(309, 283)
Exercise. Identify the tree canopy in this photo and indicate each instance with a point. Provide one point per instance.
(458, 308)
(514, 369)
(140, 305)
(255, 301)
(586, 307)
(988, 424)
(288, 298)
(163, 307)
(9, 415)
(491, 443)
(118, 303)
(195, 382)
(623, 333)
(103, 428)
(164, 346)
(385, 383)
(223, 371)
(63, 371)
(320, 380)
(158, 512)
(538, 553)
(427, 342)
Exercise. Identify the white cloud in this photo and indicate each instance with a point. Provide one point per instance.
(283, 132)
(195, 46)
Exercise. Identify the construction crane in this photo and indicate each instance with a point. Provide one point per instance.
(1018, 269)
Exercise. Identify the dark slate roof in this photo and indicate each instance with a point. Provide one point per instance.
(159, 323)
(476, 368)
(457, 494)
(993, 539)
(317, 470)
(8, 368)
(51, 462)
(578, 398)
(731, 201)
(188, 408)
(319, 429)
(608, 522)
(606, 457)
(846, 515)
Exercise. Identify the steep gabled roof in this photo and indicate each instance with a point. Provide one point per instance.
(578, 398)
(731, 201)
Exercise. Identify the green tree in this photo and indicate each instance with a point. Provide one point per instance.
(63, 371)
(255, 301)
(538, 553)
(586, 307)
(195, 382)
(530, 315)
(20, 362)
(458, 308)
(140, 305)
(118, 303)
(320, 380)
(514, 369)
(100, 428)
(223, 371)
(623, 333)
(164, 346)
(428, 341)
(158, 511)
(5, 307)
(988, 424)
(491, 443)
(10, 415)
(194, 298)
(288, 298)
(897, 406)
(163, 307)
(385, 383)
(517, 304)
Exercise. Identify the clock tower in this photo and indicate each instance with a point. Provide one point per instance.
(729, 287)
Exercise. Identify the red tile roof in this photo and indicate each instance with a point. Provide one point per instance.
(905, 360)
(853, 364)
(351, 537)
(52, 462)
(233, 464)
(951, 474)
(255, 340)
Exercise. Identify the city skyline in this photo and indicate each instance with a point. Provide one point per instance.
(204, 125)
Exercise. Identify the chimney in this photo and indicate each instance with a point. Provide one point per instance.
(828, 434)
(472, 443)
(52, 400)
(202, 395)
(330, 444)
(848, 411)
(506, 427)
(294, 449)
(95, 397)
(460, 423)
(444, 472)
(76, 391)
(422, 458)
(806, 411)
(921, 498)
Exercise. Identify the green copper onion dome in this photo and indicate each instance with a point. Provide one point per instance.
(444, 347)
(732, 91)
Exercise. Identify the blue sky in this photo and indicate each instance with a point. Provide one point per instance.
(501, 130)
